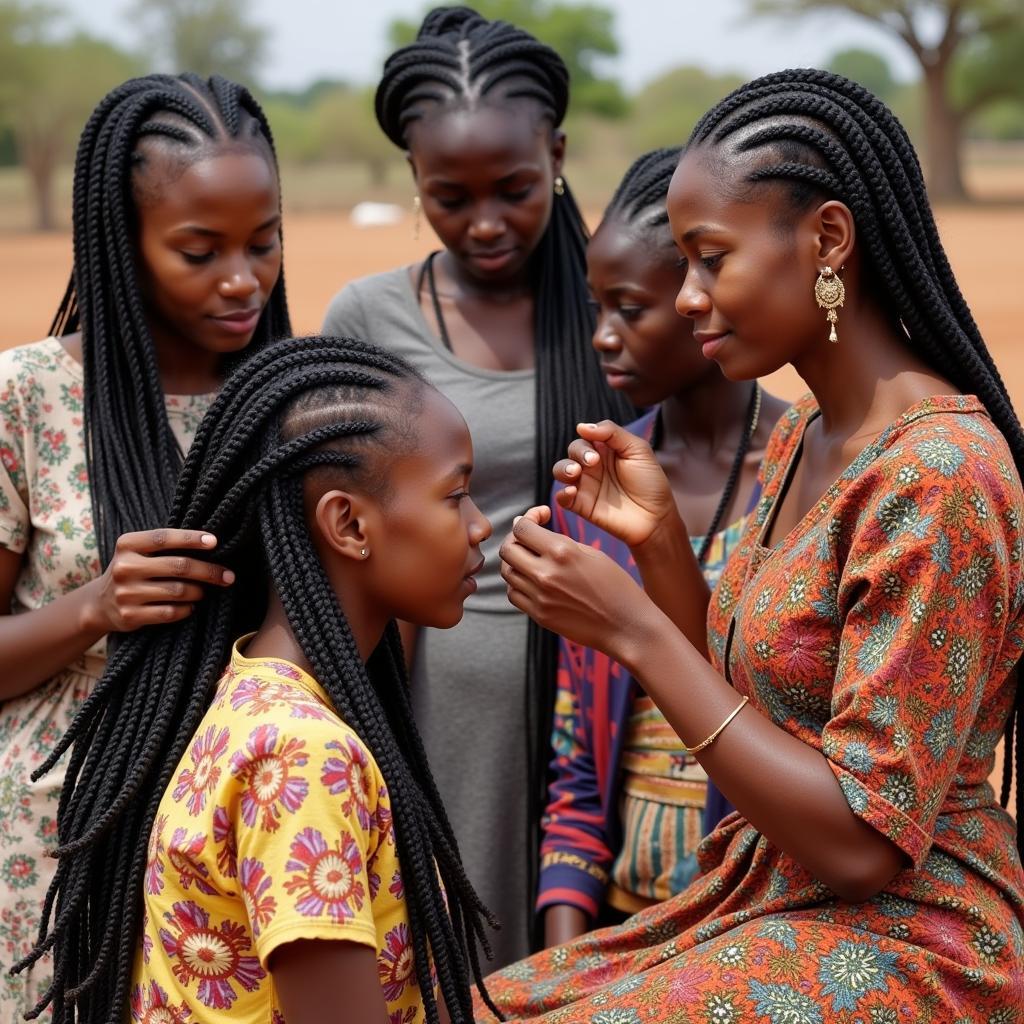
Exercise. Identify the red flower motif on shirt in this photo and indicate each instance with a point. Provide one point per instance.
(184, 852)
(397, 886)
(149, 1005)
(262, 695)
(264, 771)
(199, 781)
(212, 957)
(395, 964)
(224, 837)
(154, 884)
(329, 876)
(799, 648)
(258, 905)
(350, 774)
(406, 1016)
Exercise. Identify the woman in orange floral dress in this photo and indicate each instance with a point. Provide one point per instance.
(863, 638)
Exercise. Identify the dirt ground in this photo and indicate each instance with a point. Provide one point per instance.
(324, 251)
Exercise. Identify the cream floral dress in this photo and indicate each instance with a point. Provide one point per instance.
(45, 513)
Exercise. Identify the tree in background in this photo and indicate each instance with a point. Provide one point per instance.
(582, 35)
(49, 85)
(970, 54)
(205, 36)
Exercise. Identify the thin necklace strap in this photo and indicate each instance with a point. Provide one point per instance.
(749, 429)
(427, 271)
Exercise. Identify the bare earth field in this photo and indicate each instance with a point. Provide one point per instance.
(323, 251)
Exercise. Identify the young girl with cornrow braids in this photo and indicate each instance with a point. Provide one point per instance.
(627, 805)
(499, 320)
(250, 829)
(846, 684)
(177, 267)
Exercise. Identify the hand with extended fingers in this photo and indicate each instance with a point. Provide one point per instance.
(152, 580)
(571, 589)
(613, 479)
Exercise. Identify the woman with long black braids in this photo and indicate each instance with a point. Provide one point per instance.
(848, 682)
(177, 267)
(250, 829)
(499, 320)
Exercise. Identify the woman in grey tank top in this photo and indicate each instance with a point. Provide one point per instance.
(499, 321)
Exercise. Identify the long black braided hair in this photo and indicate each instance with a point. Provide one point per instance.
(299, 405)
(133, 458)
(460, 59)
(820, 136)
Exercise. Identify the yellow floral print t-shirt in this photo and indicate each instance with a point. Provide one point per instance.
(276, 826)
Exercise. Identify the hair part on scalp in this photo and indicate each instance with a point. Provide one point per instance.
(640, 199)
(461, 60)
(277, 419)
(814, 130)
(132, 455)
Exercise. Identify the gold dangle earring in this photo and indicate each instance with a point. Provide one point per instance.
(559, 186)
(417, 207)
(830, 294)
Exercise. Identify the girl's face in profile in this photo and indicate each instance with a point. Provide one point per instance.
(749, 282)
(424, 533)
(646, 348)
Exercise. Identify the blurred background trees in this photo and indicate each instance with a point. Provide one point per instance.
(969, 53)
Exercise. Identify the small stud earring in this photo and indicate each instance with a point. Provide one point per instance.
(559, 186)
(362, 552)
(830, 295)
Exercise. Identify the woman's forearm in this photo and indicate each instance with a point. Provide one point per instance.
(673, 580)
(36, 645)
(783, 787)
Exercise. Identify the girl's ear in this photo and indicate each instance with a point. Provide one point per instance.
(340, 520)
(558, 141)
(836, 234)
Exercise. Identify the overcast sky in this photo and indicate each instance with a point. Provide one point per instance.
(311, 39)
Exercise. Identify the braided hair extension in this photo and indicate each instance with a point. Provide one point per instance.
(300, 405)
(461, 60)
(133, 458)
(640, 198)
(819, 136)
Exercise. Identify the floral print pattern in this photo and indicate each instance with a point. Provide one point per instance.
(275, 827)
(45, 516)
(882, 631)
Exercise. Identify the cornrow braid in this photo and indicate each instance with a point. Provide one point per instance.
(640, 198)
(820, 136)
(132, 455)
(461, 60)
(323, 403)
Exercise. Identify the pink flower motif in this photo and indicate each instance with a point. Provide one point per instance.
(199, 781)
(262, 695)
(184, 852)
(395, 966)
(258, 905)
(329, 878)
(224, 837)
(397, 886)
(10, 460)
(350, 774)
(406, 1016)
(154, 884)
(147, 940)
(264, 772)
(149, 1005)
(213, 957)
(799, 648)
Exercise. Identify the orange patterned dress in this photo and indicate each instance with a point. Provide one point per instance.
(882, 631)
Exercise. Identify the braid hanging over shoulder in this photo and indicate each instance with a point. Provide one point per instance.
(133, 458)
(460, 60)
(302, 404)
(820, 136)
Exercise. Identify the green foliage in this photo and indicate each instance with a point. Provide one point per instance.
(867, 68)
(204, 36)
(582, 34)
(49, 85)
(667, 108)
(348, 130)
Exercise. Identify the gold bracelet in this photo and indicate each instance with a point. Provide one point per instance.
(718, 732)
